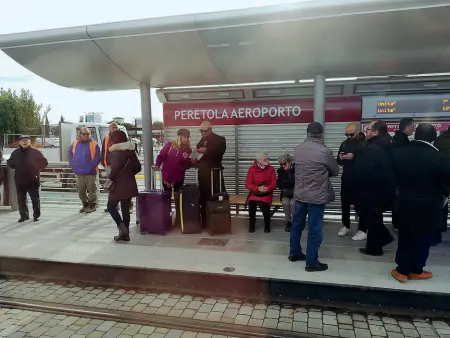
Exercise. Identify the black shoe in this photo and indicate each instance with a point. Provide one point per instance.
(317, 268)
(124, 234)
(35, 219)
(106, 210)
(23, 219)
(288, 227)
(369, 253)
(298, 258)
(266, 229)
(251, 227)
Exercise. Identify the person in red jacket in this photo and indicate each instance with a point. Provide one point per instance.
(261, 181)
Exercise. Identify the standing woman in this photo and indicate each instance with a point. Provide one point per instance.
(286, 184)
(124, 166)
(175, 160)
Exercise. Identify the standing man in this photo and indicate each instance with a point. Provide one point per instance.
(84, 158)
(421, 173)
(353, 144)
(442, 143)
(211, 148)
(401, 139)
(373, 182)
(28, 163)
(314, 164)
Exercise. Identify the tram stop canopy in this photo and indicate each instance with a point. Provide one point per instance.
(344, 38)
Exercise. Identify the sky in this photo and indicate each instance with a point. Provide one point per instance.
(30, 15)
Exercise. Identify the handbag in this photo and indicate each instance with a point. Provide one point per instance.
(109, 184)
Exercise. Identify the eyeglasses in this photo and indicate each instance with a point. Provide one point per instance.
(349, 134)
(85, 134)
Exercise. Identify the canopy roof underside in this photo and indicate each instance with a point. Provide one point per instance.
(278, 43)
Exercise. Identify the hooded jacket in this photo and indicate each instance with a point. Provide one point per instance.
(125, 185)
(349, 146)
(81, 162)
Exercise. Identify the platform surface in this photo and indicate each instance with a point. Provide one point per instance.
(64, 235)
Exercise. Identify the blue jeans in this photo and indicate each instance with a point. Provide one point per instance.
(315, 214)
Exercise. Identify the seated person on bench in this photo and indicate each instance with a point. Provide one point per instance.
(261, 182)
(286, 183)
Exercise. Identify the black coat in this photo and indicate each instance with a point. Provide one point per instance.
(286, 181)
(443, 144)
(216, 146)
(124, 181)
(28, 163)
(373, 179)
(421, 173)
(400, 139)
(352, 146)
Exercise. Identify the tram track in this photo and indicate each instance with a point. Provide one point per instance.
(183, 324)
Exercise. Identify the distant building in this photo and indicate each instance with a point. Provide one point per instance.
(138, 122)
(119, 120)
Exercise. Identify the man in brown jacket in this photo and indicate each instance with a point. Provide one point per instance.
(314, 164)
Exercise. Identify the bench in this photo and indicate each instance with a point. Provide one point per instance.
(239, 200)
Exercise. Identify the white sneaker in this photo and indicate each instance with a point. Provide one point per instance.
(343, 232)
(360, 236)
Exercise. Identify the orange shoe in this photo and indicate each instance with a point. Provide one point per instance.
(424, 275)
(398, 276)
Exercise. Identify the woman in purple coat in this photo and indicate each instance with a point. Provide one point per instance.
(175, 160)
(124, 167)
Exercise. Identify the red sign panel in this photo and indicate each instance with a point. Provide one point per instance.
(392, 127)
(343, 109)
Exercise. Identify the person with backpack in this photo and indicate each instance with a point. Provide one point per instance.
(84, 158)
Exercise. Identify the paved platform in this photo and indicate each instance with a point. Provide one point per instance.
(64, 235)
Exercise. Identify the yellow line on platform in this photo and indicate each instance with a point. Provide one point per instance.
(141, 177)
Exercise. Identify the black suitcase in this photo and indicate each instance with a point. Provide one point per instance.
(218, 211)
(188, 209)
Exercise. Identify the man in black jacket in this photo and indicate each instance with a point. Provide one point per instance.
(28, 163)
(353, 144)
(421, 172)
(401, 139)
(211, 148)
(373, 182)
(443, 144)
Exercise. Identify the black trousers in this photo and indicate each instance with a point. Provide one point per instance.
(265, 209)
(371, 217)
(346, 203)
(395, 215)
(22, 201)
(412, 252)
(204, 186)
(115, 214)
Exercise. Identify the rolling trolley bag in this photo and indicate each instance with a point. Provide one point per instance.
(153, 211)
(188, 209)
(218, 211)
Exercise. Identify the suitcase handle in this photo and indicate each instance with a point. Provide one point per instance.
(161, 187)
(212, 179)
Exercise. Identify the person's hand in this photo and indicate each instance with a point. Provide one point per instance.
(155, 167)
(201, 150)
(348, 156)
(261, 189)
(168, 184)
(265, 189)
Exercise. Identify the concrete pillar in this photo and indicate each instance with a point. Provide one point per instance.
(147, 134)
(319, 99)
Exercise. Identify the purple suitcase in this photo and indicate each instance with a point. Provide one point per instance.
(153, 212)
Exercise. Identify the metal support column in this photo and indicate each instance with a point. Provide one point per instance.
(319, 99)
(147, 134)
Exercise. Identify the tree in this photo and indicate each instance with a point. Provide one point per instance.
(158, 125)
(19, 113)
(62, 119)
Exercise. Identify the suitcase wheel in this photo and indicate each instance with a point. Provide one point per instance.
(137, 222)
(143, 232)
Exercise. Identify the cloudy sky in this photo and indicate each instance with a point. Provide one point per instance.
(28, 15)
